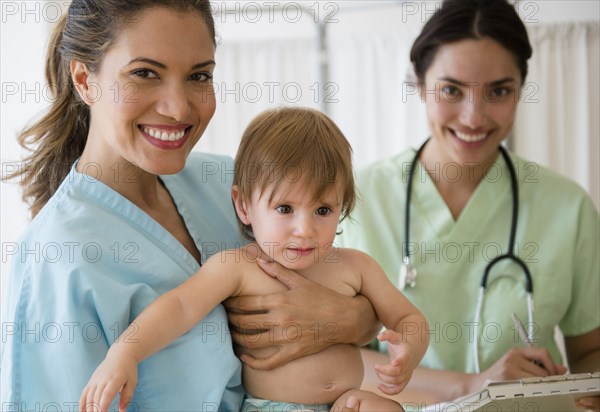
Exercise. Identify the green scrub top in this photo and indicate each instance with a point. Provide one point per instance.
(557, 237)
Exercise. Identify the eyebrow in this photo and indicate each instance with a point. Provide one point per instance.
(494, 83)
(164, 66)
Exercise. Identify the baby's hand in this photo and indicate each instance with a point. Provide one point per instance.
(396, 375)
(116, 373)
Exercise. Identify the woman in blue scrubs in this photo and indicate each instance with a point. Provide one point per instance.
(123, 212)
(471, 62)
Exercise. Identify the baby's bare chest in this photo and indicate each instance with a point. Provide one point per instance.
(337, 277)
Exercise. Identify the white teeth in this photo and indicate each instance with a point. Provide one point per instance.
(470, 137)
(158, 134)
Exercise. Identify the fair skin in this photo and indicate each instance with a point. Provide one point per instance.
(297, 232)
(471, 91)
(466, 128)
(358, 323)
(156, 76)
(144, 83)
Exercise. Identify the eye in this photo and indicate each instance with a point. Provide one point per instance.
(451, 92)
(323, 211)
(499, 92)
(145, 74)
(201, 77)
(284, 209)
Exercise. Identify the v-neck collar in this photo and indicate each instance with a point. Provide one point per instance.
(118, 204)
(480, 206)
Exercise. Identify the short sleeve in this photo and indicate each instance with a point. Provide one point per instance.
(583, 314)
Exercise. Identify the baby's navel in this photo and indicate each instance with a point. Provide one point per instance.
(330, 386)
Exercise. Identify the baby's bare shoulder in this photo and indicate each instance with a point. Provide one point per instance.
(254, 281)
(353, 258)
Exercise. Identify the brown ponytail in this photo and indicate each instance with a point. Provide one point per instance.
(57, 139)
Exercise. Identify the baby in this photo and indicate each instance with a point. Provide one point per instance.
(293, 184)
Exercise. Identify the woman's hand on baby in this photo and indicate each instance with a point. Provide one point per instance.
(397, 373)
(116, 373)
(308, 310)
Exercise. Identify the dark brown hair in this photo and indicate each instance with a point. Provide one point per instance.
(84, 33)
(297, 145)
(471, 19)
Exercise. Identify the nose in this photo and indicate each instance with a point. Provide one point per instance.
(473, 111)
(304, 226)
(173, 102)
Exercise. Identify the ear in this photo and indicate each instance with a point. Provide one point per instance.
(81, 77)
(241, 207)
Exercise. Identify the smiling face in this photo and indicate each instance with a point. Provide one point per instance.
(292, 228)
(152, 97)
(471, 92)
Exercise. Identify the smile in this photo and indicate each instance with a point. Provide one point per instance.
(470, 138)
(164, 135)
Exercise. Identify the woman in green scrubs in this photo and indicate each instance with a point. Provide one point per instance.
(471, 62)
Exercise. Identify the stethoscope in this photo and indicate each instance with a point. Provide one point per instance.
(408, 274)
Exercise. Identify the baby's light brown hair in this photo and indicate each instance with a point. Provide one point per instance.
(297, 145)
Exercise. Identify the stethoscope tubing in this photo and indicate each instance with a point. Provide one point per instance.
(510, 255)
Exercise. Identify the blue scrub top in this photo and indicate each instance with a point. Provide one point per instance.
(87, 265)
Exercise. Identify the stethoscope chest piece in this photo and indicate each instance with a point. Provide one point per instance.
(407, 275)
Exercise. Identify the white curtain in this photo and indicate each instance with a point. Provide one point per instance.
(373, 99)
(363, 94)
(379, 109)
(557, 124)
(252, 76)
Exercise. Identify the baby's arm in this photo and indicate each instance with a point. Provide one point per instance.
(164, 320)
(407, 327)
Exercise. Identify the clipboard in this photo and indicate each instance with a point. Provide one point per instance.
(552, 394)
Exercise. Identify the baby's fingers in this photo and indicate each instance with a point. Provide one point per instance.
(85, 399)
(393, 385)
(87, 402)
(390, 336)
(82, 399)
(98, 396)
(393, 379)
(126, 395)
(107, 395)
(389, 370)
